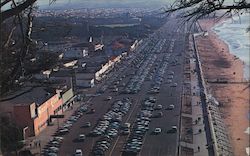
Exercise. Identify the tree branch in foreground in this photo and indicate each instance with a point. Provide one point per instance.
(14, 11)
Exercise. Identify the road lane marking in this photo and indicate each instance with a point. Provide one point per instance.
(111, 152)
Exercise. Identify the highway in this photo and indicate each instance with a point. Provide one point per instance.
(164, 144)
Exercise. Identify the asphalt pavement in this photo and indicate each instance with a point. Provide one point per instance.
(163, 144)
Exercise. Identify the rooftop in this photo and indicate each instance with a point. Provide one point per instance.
(38, 95)
(62, 73)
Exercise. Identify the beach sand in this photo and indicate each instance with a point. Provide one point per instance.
(218, 63)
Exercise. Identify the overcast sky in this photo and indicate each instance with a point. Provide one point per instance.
(105, 3)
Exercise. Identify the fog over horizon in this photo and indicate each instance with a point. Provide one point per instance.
(63, 4)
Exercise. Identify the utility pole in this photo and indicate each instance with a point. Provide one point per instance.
(40, 148)
(57, 122)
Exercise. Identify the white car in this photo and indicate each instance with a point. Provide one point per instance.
(158, 107)
(170, 107)
(157, 131)
(78, 152)
(115, 90)
(54, 149)
(109, 98)
(174, 85)
(174, 128)
(81, 137)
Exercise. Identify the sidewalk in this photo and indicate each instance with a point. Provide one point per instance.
(199, 135)
(32, 143)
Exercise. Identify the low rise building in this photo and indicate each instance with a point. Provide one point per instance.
(85, 80)
(35, 109)
(76, 52)
(107, 67)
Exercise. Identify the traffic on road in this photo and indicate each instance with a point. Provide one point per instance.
(136, 109)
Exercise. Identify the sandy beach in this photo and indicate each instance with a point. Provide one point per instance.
(218, 63)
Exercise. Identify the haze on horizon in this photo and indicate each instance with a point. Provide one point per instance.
(103, 4)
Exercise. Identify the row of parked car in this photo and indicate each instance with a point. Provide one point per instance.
(158, 47)
(140, 127)
(108, 127)
(149, 110)
(52, 148)
(76, 115)
(143, 63)
(171, 46)
(135, 83)
(159, 71)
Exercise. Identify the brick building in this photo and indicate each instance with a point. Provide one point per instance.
(32, 110)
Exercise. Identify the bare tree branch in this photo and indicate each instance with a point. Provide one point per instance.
(195, 9)
(15, 11)
(4, 2)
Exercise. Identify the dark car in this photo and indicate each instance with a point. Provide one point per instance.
(91, 111)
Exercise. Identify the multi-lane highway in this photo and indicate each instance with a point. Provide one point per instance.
(154, 70)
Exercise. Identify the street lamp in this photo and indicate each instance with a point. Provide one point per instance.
(24, 133)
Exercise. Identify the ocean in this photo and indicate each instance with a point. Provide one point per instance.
(234, 33)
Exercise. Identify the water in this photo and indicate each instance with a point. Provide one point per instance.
(234, 33)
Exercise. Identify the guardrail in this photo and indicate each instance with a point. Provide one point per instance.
(204, 94)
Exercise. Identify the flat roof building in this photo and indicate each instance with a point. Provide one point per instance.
(32, 110)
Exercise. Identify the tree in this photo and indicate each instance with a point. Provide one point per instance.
(18, 8)
(11, 135)
(16, 18)
(16, 42)
(196, 9)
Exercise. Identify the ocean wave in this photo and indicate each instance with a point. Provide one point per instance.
(233, 33)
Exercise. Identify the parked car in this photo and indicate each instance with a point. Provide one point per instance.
(78, 152)
(157, 131)
(87, 124)
(173, 85)
(109, 98)
(158, 107)
(91, 111)
(170, 107)
(115, 90)
(173, 129)
(63, 131)
(126, 131)
(81, 137)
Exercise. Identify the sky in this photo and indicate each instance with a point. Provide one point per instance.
(103, 3)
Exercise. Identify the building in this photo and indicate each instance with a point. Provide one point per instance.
(70, 64)
(35, 109)
(99, 47)
(107, 67)
(85, 80)
(68, 97)
(76, 52)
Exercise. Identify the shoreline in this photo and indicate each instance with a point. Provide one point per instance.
(219, 63)
(231, 50)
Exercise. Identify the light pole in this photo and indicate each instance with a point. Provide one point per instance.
(40, 148)
(24, 134)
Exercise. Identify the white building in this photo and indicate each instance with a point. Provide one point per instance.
(107, 67)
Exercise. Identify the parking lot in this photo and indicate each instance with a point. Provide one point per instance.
(136, 110)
